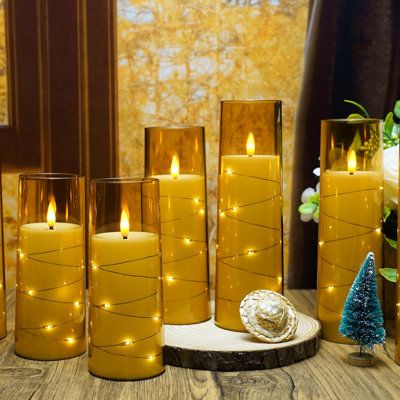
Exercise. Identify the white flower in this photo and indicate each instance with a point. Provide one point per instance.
(307, 193)
(317, 171)
(306, 217)
(391, 175)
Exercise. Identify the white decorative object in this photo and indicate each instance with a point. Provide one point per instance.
(269, 316)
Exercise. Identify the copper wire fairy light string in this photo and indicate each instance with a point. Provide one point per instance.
(187, 240)
(231, 214)
(31, 293)
(327, 263)
(108, 307)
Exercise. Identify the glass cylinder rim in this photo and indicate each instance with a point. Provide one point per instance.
(174, 127)
(352, 120)
(265, 101)
(37, 176)
(121, 180)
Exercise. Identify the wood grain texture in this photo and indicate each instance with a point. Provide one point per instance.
(205, 346)
(325, 376)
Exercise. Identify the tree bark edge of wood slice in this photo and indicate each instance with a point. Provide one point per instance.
(207, 347)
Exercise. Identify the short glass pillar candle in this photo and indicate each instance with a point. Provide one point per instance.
(125, 290)
(175, 156)
(50, 293)
(249, 253)
(350, 214)
(3, 317)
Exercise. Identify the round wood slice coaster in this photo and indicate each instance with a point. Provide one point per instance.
(205, 346)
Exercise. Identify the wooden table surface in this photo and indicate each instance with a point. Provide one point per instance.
(325, 376)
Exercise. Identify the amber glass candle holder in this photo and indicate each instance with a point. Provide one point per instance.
(3, 317)
(50, 294)
(176, 157)
(125, 290)
(350, 214)
(249, 253)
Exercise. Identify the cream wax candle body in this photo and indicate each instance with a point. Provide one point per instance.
(50, 297)
(249, 255)
(349, 228)
(184, 248)
(125, 306)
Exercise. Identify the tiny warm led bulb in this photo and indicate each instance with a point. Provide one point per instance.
(128, 342)
(106, 306)
(151, 357)
(175, 167)
(170, 278)
(51, 213)
(69, 339)
(352, 163)
(250, 145)
(124, 224)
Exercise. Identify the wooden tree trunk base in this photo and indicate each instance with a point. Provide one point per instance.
(205, 346)
(361, 360)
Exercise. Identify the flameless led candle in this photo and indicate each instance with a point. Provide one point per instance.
(50, 295)
(125, 291)
(351, 200)
(175, 156)
(249, 254)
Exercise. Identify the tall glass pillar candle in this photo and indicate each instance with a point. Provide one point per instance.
(249, 253)
(50, 293)
(176, 157)
(125, 290)
(3, 317)
(351, 200)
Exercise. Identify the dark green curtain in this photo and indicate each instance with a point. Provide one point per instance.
(352, 52)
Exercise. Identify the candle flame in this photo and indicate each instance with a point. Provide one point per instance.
(51, 213)
(124, 224)
(250, 145)
(175, 167)
(352, 163)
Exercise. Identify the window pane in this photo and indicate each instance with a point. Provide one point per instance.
(3, 68)
(178, 59)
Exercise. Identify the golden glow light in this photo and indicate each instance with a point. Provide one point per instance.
(175, 167)
(124, 224)
(51, 213)
(250, 145)
(352, 163)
